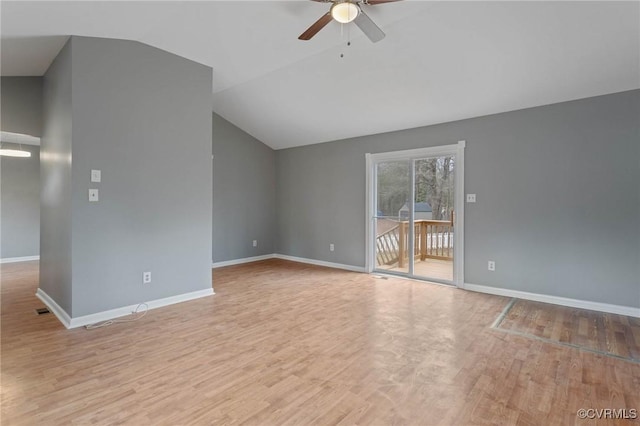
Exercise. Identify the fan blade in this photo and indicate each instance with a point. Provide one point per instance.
(317, 26)
(368, 27)
(374, 2)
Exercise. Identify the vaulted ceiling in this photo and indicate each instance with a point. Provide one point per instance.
(440, 61)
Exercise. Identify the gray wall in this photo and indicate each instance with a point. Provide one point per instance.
(55, 182)
(243, 194)
(20, 204)
(143, 117)
(21, 112)
(558, 201)
(21, 105)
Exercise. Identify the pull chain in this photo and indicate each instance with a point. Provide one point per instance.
(348, 37)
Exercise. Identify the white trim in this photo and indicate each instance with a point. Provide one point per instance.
(412, 154)
(243, 260)
(556, 300)
(127, 310)
(54, 307)
(19, 259)
(19, 138)
(320, 263)
(458, 248)
(118, 312)
(369, 260)
(412, 219)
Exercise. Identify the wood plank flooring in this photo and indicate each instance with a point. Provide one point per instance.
(283, 343)
(616, 335)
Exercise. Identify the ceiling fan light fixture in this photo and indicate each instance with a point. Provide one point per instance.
(344, 12)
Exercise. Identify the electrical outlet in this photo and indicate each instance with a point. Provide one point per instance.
(96, 175)
(146, 277)
(255, 243)
(471, 198)
(491, 265)
(332, 247)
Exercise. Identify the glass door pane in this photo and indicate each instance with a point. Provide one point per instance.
(434, 217)
(393, 195)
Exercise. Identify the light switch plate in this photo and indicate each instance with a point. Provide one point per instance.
(96, 175)
(471, 198)
(93, 195)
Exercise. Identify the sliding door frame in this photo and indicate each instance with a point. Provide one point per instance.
(372, 160)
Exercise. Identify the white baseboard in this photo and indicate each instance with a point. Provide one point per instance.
(291, 258)
(62, 315)
(556, 300)
(321, 263)
(19, 259)
(243, 260)
(118, 312)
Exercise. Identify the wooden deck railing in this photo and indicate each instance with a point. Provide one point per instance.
(387, 245)
(433, 239)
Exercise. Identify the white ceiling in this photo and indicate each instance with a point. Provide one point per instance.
(441, 61)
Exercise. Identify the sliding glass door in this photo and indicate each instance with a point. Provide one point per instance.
(393, 190)
(413, 209)
(434, 211)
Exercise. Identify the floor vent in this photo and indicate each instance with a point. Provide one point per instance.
(42, 311)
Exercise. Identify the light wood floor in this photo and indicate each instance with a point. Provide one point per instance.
(283, 343)
(616, 335)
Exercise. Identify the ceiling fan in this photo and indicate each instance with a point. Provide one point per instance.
(345, 11)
